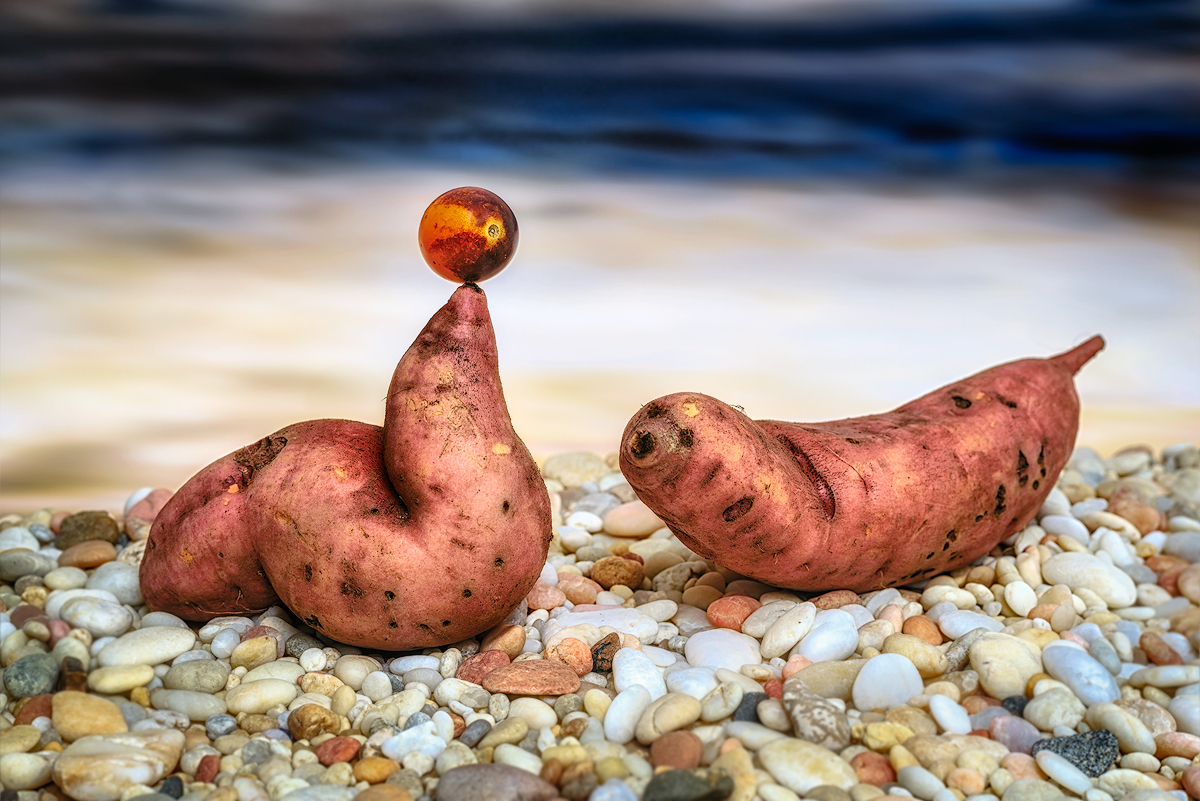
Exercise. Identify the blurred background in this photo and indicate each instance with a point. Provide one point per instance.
(208, 213)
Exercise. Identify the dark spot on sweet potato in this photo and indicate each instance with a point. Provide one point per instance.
(1022, 462)
(437, 489)
(1035, 483)
(716, 468)
(654, 409)
(685, 438)
(372, 511)
(823, 490)
(946, 545)
(313, 621)
(308, 572)
(391, 596)
(1022, 481)
(853, 441)
(643, 444)
(961, 402)
(253, 458)
(466, 593)
(350, 588)
(978, 518)
(737, 509)
(220, 554)
(929, 556)
(426, 627)
(392, 624)
(1000, 507)
(951, 536)
(445, 623)
(504, 507)
(1043, 472)
(1006, 401)
(498, 563)
(461, 543)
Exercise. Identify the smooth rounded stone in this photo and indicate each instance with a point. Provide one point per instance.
(629, 621)
(761, 619)
(1092, 752)
(483, 782)
(886, 681)
(1184, 544)
(574, 468)
(77, 714)
(1020, 597)
(815, 719)
(1065, 526)
(721, 702)
(474, 732)
(631, 667)
(1082, 570)
(1014, 733)
(147, 646)
(927, 659)
(120, 679)
(747, 709)
(34, 674)
(220, 725)
(633, 519)
(256, 697)
(1165, 677)
(120, 579)
(1131, 733)
(101, 618)
(60, 598)
(100, 768)
(792, 627)
(666, 714)
(353, 668)
(533, 677)
(534, 712)
(286, 670)
(403, 664)
(198, 706)
(661, 610)
(510, 730)
(1028, 789)
(254, 652)
(18, 537)
(621, 719)
(66, 578)
(430, 677)
(17, 563)
(949, 714)
(1088, 679)
(297, 644)
(1054, 708)
(26, 771)
(1005, 664)
(722, 648)
(696, 682)
(1102, 651)
(1063, 772)
(919, 781)
(957, 622)
(800, 766)
(1184, 708)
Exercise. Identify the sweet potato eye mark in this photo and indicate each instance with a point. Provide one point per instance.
(391, 596)
(392, 624)
(499, 562)
(445, 623)
(1000, 507)
(738, 509)
(506, 506)
(824, 491)
(308, 572)
(685, 437)
(466, 593)
(313, 621)
(961, 402)
(643, 444)
(654, 409)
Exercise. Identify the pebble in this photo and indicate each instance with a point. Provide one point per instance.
(535, 677)
(631, 667)
(800, 766)
(722, 648)
(1091, 752)
(621, 719)
(493, 783)
(100, 768)
(886, 681)
(815, 719)
(1089, 680)
(147, 646)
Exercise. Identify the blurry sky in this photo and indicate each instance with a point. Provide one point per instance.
(208, 214)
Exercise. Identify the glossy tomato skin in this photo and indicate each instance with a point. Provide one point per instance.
(467, 234)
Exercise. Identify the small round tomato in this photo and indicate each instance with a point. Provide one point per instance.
(467, 234)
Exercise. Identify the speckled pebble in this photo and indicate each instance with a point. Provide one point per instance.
(1092, 752)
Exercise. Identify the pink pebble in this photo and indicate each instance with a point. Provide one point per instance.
(1071, 636)
(1016, 734)
(731, 611)
(795, 664)
(773, 687)
(543, 596)
(58, 630)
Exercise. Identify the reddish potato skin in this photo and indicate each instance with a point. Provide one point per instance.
(310, 517)
(861, 503)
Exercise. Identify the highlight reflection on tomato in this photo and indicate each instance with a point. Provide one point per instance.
(467, 234)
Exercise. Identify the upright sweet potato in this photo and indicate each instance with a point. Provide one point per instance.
(422, 532)
(860, 503)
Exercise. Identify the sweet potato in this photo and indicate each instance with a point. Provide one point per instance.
(418, 533)
(860, 503)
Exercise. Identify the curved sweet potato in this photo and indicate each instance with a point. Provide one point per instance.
(860, 503)
(422, 532)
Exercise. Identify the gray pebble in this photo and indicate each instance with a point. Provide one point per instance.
(43, 533)
(397, 682)
(132, 712)
(591, 553)
(299, 643)
(475, 732)
(198, 675)
(748, 708)
(220, 725)
(25, 582)
(17, 562)
(416, 719)
(567, 704)
(1093, 752)
(256, 751)
(598, 503)
(1102, 651)
(427, 676)
(31, 675)
(119, 578)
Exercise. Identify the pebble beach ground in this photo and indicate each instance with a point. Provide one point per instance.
(1064, 663)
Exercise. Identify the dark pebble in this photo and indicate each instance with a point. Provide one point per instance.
(256, 751)
(416, 719)
(72, 675)
(172, 786)
(299, 643)
(1093, 752)
(429, 709)
(492, 783)
(475, 732)
(748, 708)
(711, 784)
(603, 653)
(9, 795)
(85, 526)
(397, 682)
(25, 613)
(530, 743)
(35, 674)
(1015, 704)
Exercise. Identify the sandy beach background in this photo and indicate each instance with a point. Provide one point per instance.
(157, 312)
